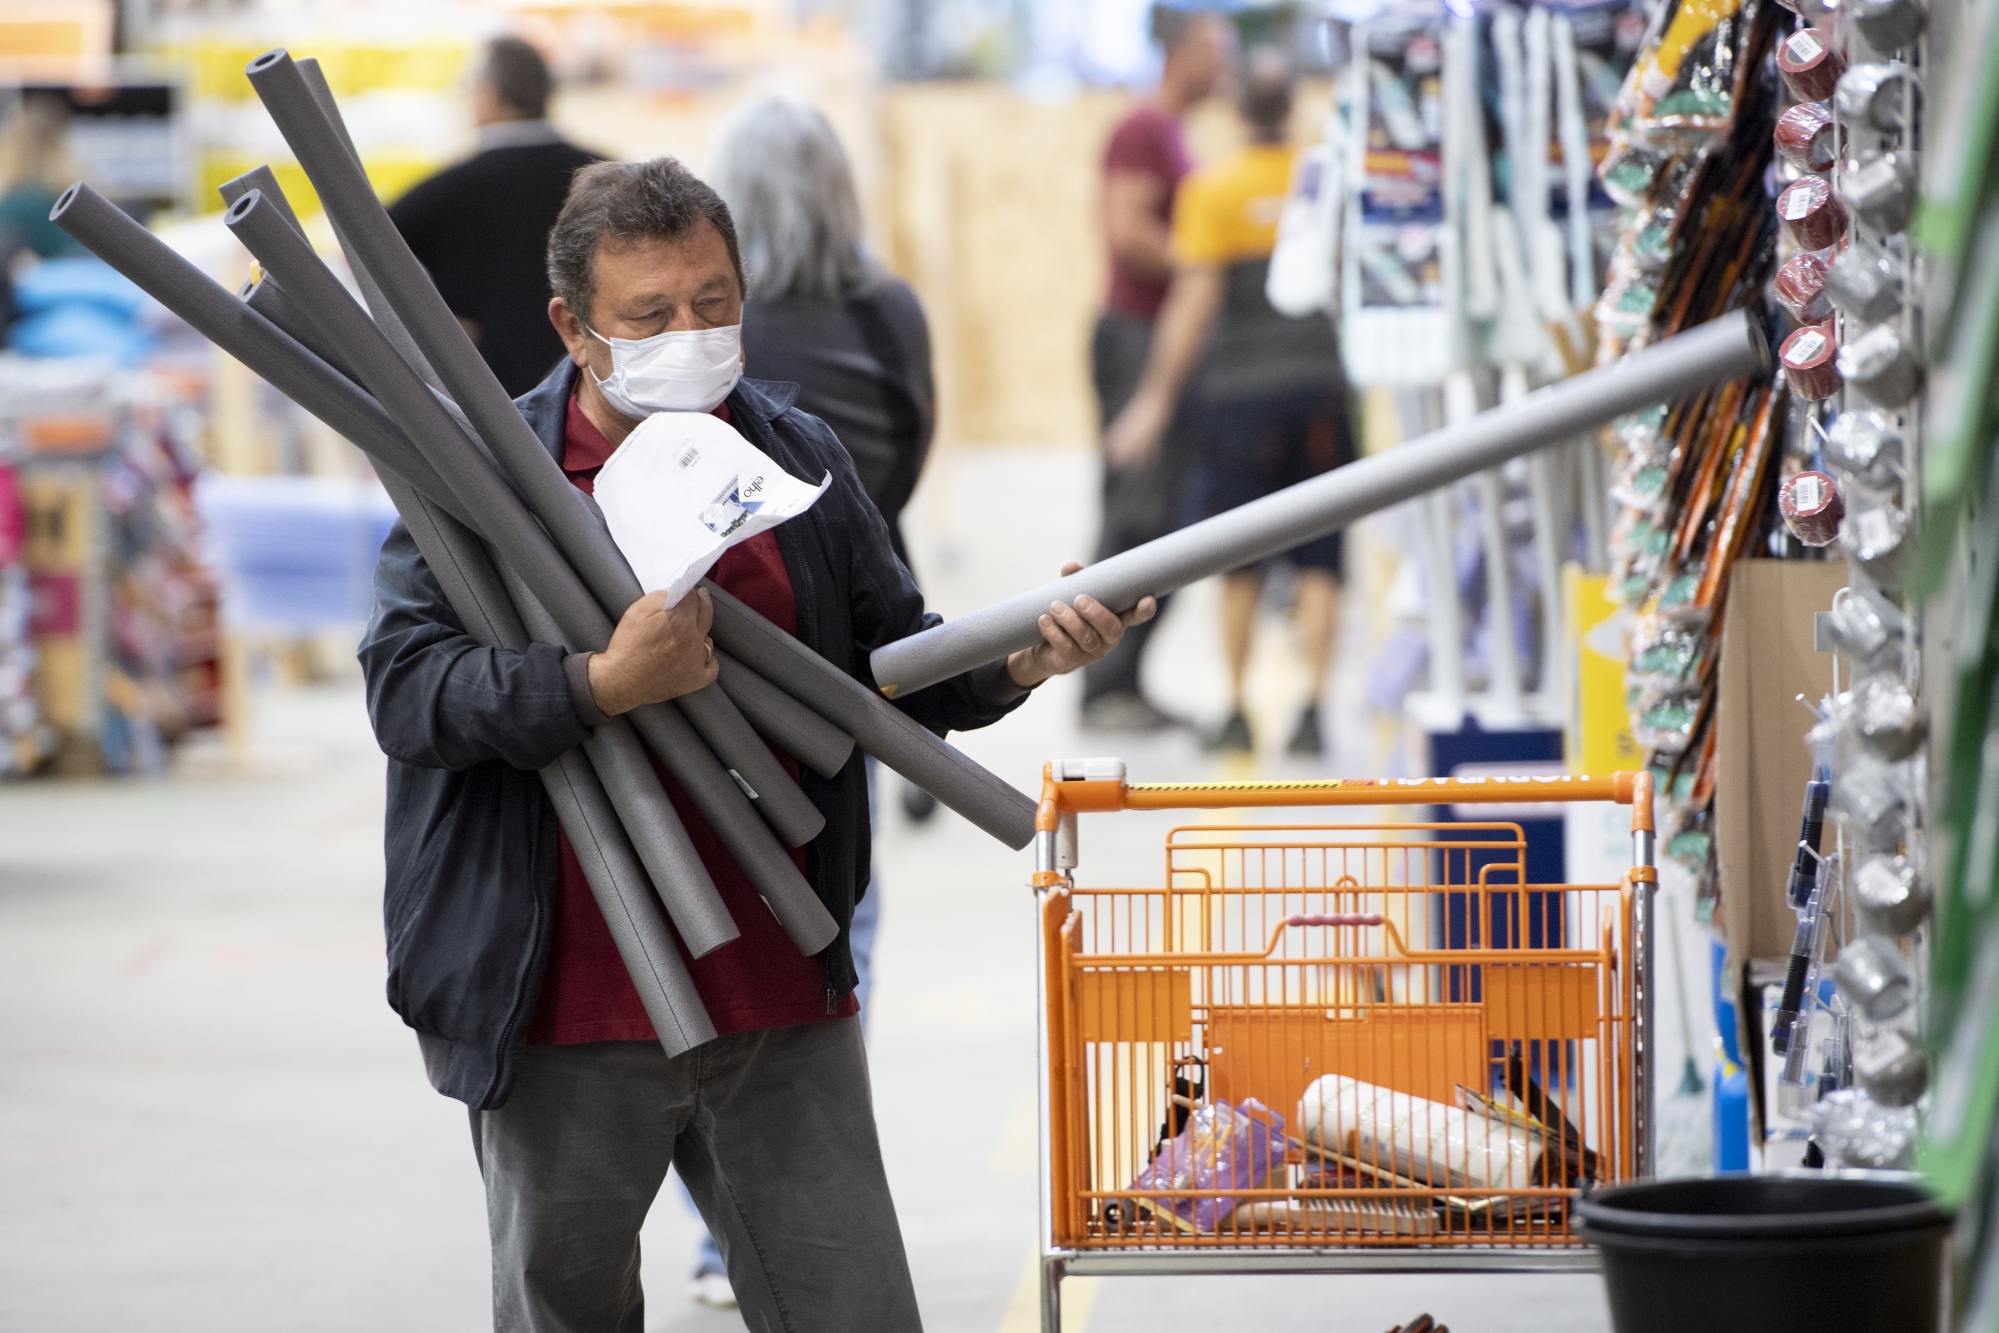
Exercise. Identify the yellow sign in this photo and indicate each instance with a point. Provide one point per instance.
(1599, 730)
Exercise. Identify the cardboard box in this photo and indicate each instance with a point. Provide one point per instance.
(1763, 762)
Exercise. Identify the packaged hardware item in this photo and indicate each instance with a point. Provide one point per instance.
(1800, 287)
(1805, 137)
(685, 487)
(1882, 193)
(1810, 213)
(1879, 96)
(1811, 507)
(1222, 1147)
(1891, 896)
(1888, 25)
(1416, 1138)
(1809, 360)
(1811, 68)
(1865, 282)
(1882, 365)
(1853, 1129)
(1887, 718)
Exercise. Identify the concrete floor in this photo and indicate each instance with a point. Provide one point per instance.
(210, 1120)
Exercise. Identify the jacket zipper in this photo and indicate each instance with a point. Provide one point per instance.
(520, 1001)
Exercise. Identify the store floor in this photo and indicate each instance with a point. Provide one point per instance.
(209, 1120)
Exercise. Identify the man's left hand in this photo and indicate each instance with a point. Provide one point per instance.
(1073, 635)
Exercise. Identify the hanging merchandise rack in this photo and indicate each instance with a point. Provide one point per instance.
(1335, 1048)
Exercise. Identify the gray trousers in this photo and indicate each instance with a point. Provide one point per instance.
(774, 1134)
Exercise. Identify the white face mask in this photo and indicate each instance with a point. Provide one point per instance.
(677, 371)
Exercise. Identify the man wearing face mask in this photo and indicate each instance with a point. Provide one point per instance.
(498, 955)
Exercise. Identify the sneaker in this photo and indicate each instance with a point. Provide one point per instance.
(1305, 738)
(1126, 712)
(1233, 738)
(710, 1287)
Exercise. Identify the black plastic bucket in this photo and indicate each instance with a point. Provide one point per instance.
(1770, 1254)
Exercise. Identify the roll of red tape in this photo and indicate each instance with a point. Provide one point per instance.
(1809, 356)
(1804, 137)
(1800, 287)
(1811, 68)
(1812, 508)
(1810, 213)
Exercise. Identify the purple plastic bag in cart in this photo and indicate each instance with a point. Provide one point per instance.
(1222, 1148)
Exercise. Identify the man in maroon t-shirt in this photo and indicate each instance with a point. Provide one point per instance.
(1143, 165)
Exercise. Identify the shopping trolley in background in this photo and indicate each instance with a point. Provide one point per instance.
(1335, 1047)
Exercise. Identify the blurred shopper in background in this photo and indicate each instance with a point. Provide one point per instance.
(34, 171)
(1268, 396)
(823, 314)
(481, 227)
(1144, 164)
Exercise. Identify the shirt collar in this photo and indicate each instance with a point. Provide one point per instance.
(517, 134)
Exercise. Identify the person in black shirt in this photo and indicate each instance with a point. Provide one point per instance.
(481, 227)
(822, 312)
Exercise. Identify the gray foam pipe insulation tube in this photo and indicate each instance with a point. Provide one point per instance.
(287, 93)
(802, 919)
(817, 743)
(878, 727)
(300, 374)
(756, 774)
(344, 326)
(1723, 349)
(597, 830)
(372, 242)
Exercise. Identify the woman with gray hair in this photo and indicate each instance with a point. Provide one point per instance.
(822, 312)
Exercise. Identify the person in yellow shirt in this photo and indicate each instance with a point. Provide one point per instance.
(1267, 391)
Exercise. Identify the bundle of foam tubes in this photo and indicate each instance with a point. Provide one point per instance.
(523, 558)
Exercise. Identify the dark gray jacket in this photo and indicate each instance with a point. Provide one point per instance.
(471, 840)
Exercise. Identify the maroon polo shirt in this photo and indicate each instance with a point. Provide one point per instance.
(759, 979)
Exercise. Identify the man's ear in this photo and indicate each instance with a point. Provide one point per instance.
(570, 329)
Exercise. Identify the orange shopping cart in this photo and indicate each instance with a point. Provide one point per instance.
(1335, 1047)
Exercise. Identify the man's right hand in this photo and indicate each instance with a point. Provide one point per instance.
(657, 652)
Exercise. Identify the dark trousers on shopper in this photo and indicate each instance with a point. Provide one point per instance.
(1140, 503)
(774, 1134)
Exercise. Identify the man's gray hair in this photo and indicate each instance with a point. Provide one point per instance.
(786, 179)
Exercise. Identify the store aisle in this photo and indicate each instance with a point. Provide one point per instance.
(210, 1120)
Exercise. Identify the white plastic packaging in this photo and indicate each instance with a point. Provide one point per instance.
(1414, 1137)
(685, 487)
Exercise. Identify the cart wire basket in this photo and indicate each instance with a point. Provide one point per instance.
(1335, 1047)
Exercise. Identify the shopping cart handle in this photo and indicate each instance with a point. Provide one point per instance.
(1334, 919)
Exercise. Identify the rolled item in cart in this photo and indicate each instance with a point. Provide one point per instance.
(308, 380)
(375, 246)
(617, 879)
(1413, 1137)
(1731, 347)
(344, 326)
